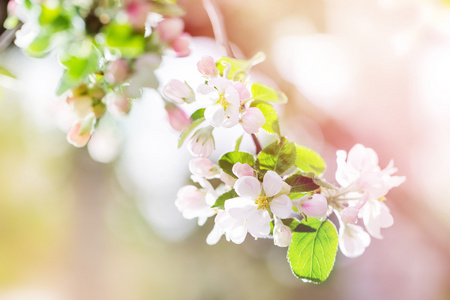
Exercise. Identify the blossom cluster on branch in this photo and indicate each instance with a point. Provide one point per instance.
(110, 50)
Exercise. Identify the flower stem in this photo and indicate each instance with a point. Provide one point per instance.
(257, 144)
(218, 26)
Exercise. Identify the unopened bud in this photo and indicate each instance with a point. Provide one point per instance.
(178, 119)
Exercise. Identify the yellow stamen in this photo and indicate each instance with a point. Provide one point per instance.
(262, 201)
(382, 199)
(224, 101)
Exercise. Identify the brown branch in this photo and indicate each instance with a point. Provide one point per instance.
(8, 36)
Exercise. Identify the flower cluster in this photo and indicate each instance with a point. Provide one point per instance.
(109, 51)
(361, 195)
(278, 192)
(229, 102)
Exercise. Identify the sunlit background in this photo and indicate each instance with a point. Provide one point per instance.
(370, 71)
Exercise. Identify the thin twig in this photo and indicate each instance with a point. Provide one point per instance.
(8, 36)
(221, 38)
(218, 26)
(257, 144)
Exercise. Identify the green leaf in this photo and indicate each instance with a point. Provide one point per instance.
(296, 226)
(272, 125)
(236, 66)
(39, 47)
(309, 161)
(238, 143)
(227, 161)
(220, 202)
(311, 255)
(198, 114)
(123, 38)
(266, 93)
(188, 130)
(317, 180)
(300, 183)
(6, 72)
(278, 157)
(297, 195)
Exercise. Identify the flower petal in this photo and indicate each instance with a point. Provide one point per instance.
(272, 183)
(281, 206)
(214, 114)
(248, 186)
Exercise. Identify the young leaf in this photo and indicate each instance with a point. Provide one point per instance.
(236, 65)
(238, 143)
(123, 38)
(220, 202)
(227, 161)
(198, 114)
(188, 130)
(311, 255)
(278, 157)
(266, 93)
(309, 161)
(272, 125)
(300, 183)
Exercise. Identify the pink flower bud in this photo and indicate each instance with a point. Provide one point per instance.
(181, 45)
(177, 117)
(11, 7)
(349, 215)
(178, 92)
(241, 170)
(282, 235)
(253, 120)
(80, 133)
(137, 11)
(207, 66)
(242, 89)
(315, 207)
(119, 104)
(202, 142)
(169, 29)
(203, 167)
(117, 71)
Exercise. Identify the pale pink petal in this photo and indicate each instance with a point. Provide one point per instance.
(207, 66)
(362, 158)
(258, 224)
(169, 29)
(316, 207)
(272, 183)
(353, 240)
(214, 114)
(248, 186)
(241, 170)
(243, 91)
(227, 179)
(181, 45)
(282, 235)
(349, 215)
(253, 120)
(202, 167)
(178, 119)
(240, 208)
(281, 206)
(215, 235)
